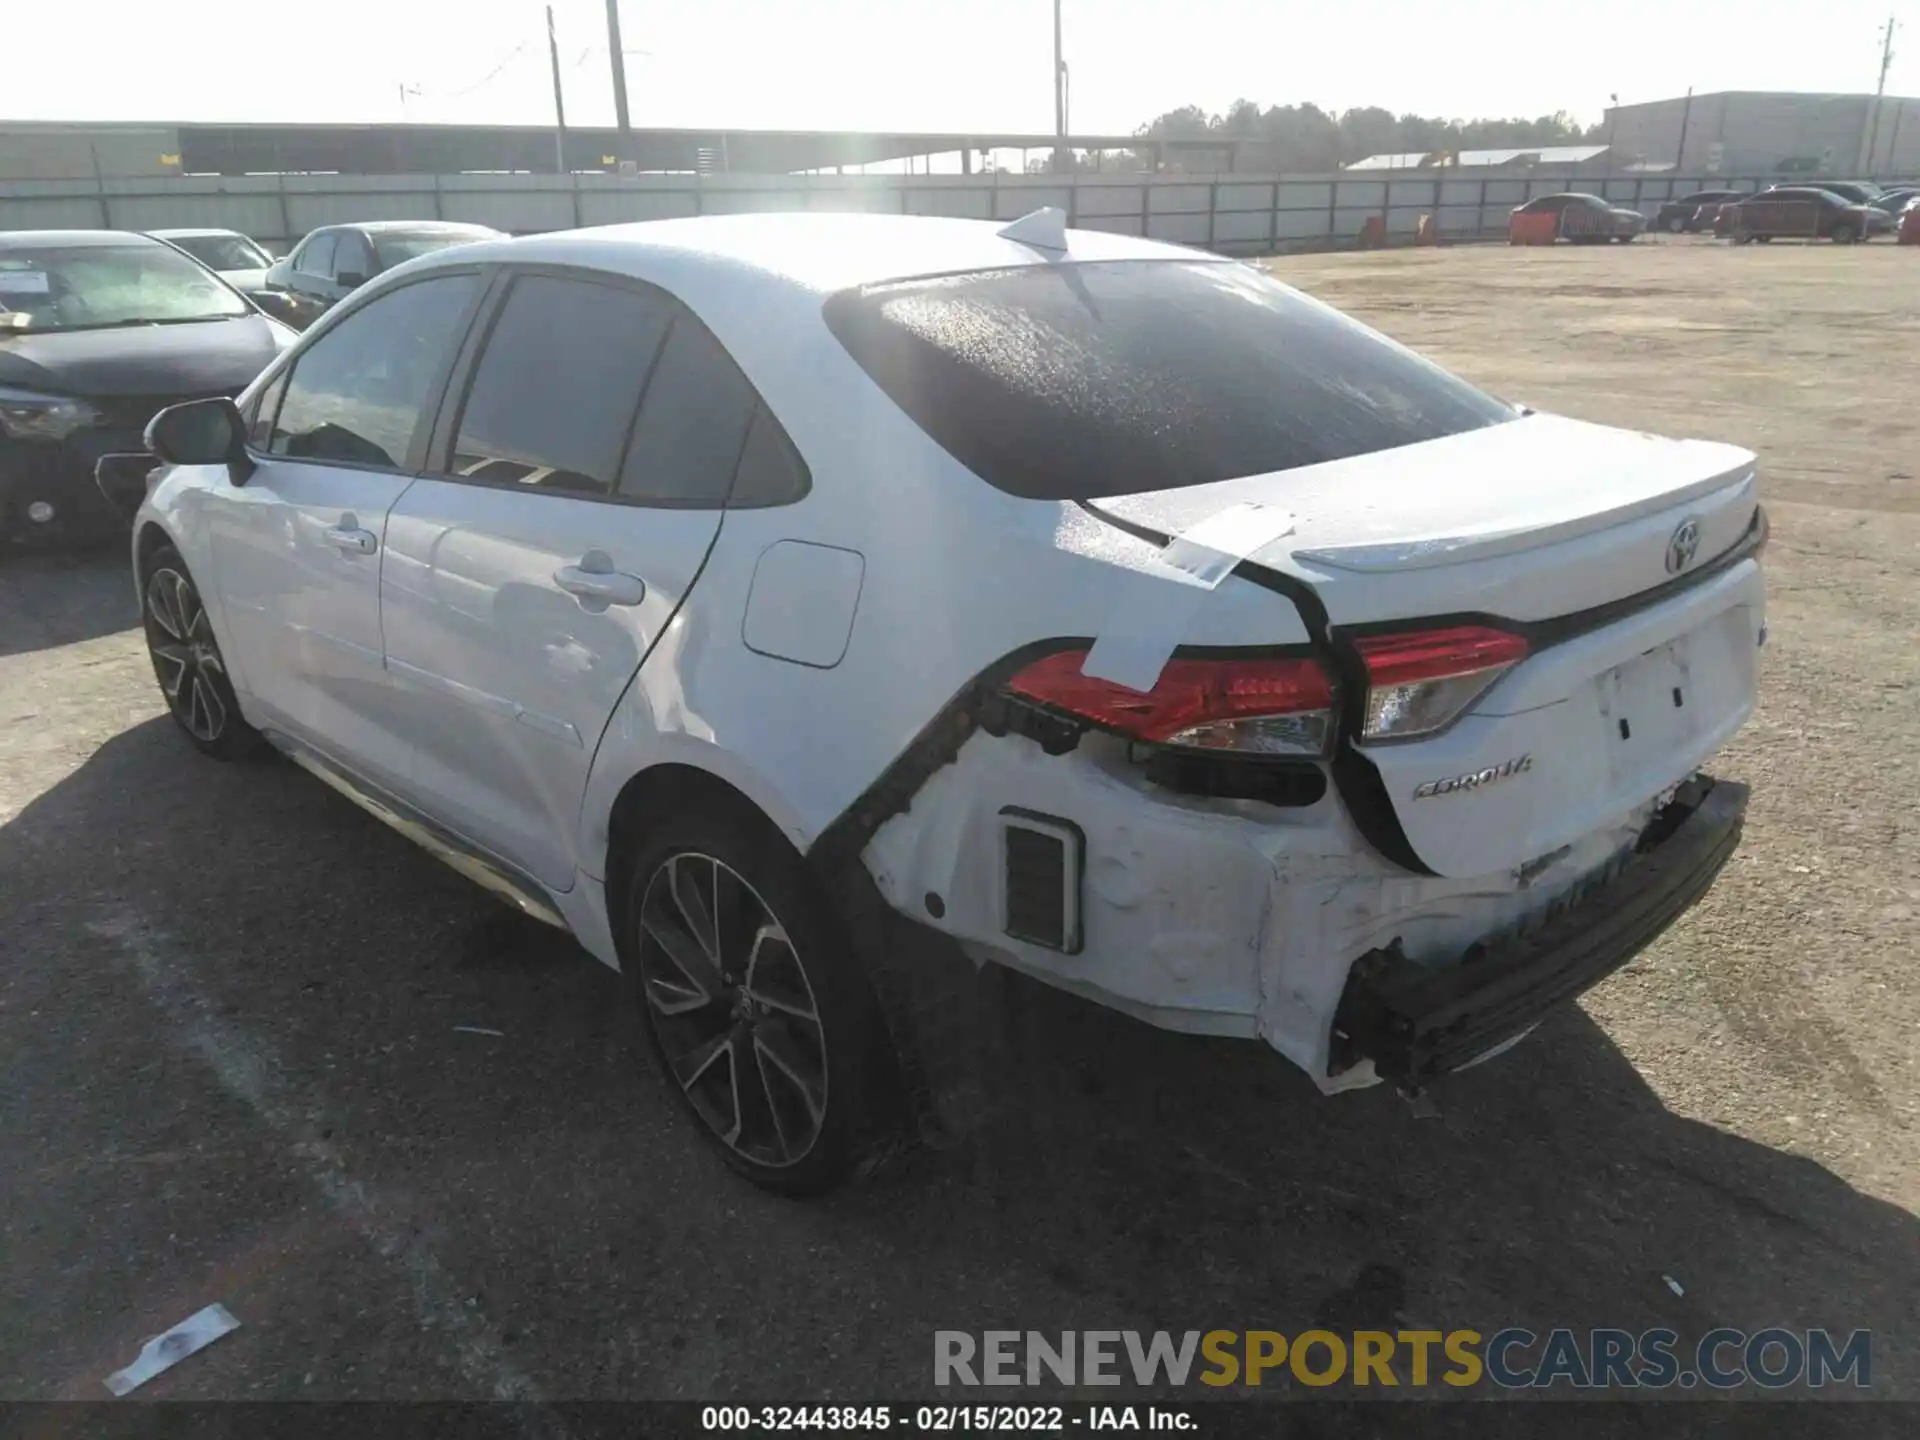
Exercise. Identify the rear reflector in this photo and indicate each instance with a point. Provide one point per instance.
(1042, 859)
(1263, 705)
(1421, 682)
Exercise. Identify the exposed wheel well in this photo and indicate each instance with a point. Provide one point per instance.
(662, 791)
(152, 537)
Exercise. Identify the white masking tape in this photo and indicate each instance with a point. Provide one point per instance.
(1150, 621)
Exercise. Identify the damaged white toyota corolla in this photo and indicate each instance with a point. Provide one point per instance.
(735, 591)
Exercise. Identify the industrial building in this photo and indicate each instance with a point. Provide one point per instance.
(1776, 133)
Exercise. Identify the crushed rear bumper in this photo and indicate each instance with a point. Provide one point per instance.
(1417, 1021)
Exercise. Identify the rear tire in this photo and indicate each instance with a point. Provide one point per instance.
(1843, 233)
(1677, 225)
(187, 661)
(755, 1006)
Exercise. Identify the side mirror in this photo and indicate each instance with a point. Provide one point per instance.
(350, 279)
(202, 432)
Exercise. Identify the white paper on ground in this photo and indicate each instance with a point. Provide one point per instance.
(164, 1351)
(1150, 621)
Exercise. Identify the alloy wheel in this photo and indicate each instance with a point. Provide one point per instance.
(733, 1010)
(185, 657)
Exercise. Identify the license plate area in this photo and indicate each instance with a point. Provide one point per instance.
(1661, 703)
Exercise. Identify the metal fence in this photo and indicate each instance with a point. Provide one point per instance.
(1233, 214)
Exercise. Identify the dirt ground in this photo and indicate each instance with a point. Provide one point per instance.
(228, 1004)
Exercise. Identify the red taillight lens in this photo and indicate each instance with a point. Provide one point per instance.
(1420, 682)
(1268, 706)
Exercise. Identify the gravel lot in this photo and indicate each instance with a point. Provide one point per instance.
(228, 1005)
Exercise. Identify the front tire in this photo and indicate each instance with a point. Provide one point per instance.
(187, 661)
(1677, 225)
(754, 1003)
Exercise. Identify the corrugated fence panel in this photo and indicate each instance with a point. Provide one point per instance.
(617, 207)
(1107, 200)
(1113, 224)
(256, 215)
(1241, 226)
(51, 212)
(1245, 197)
(1300, 224)
(1013, 201)
(861, 201)
(963, 204)
(1371, 194)
(515, 213)
(306, 211)
(1461, 221)
(1181, 229)
(1179, 199)
(1305, 195)
(1413, 192)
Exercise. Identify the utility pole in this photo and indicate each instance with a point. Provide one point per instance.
(1680, 151)
(619, 58)
(1059, 97)
(559, 101)
(1880, 90)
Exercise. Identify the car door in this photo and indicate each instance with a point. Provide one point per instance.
(297, 548)
(310, 275)
(576, 490)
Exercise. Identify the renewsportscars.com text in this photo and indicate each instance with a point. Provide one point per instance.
(1512, 1358)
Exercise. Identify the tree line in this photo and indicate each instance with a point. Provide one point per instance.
(1305, 138)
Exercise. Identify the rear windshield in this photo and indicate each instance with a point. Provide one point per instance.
(1076, 381)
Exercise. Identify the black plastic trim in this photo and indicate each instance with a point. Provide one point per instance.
(1418, 1021)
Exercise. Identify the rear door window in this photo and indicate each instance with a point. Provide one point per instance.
(554, 394)
(692, 425)
(1077, 381)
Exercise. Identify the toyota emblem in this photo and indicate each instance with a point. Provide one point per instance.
(1684, 545)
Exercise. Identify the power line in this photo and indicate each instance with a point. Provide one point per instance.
(484, 80)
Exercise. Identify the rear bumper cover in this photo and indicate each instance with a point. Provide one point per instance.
(1418, 1021)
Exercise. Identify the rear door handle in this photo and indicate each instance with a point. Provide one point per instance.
(596, 584)
(348, 535)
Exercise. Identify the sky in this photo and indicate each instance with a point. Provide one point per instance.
(937, 65)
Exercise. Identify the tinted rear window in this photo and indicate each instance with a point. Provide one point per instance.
(1076, 381)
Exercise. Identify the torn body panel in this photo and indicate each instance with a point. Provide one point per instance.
(1220, 917)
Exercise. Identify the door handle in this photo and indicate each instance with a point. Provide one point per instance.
(596, 584)
(350, 537)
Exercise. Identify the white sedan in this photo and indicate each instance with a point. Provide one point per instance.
(773, 601)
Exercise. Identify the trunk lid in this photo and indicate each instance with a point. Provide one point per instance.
(1551, 528)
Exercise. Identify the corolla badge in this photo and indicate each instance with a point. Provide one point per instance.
(1456, 784)
(1683, 545)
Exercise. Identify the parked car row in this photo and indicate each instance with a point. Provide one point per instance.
(102, 329)
(1839, 210)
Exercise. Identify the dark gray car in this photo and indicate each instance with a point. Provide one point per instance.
(335, 260)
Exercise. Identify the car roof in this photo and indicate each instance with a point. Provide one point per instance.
(71, 239)
(193, 233)
(806, 252)
(419, 227)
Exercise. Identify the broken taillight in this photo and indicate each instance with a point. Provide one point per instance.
(1265, 705)
(1422, 681)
